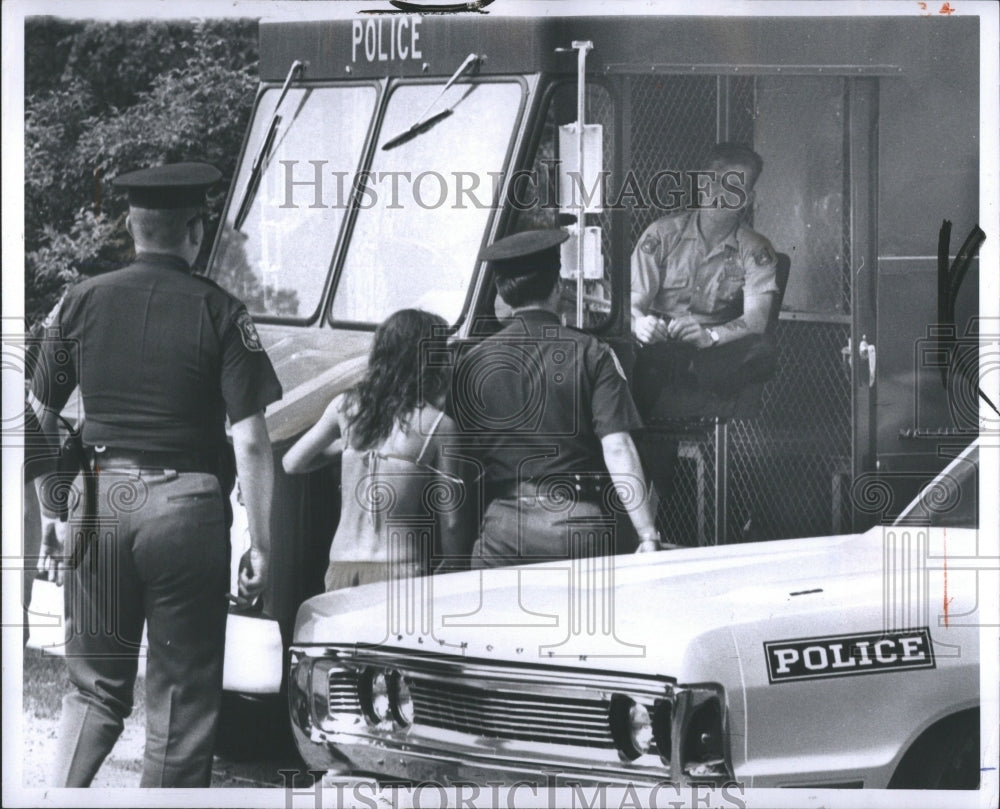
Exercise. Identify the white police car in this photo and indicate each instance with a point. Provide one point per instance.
(845, 661)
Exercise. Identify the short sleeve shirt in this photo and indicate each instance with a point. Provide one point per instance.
(538, 397)
(161, 357)
(674, 274)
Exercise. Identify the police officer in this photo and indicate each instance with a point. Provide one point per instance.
(703, 283)
(549, 411)
(161, 357)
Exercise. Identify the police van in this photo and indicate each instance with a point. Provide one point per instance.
(386, 149)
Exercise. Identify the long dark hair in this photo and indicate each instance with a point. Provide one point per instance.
(401, 376)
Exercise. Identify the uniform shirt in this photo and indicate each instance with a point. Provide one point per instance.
(674, 274)
(160, 355)
(538, 397)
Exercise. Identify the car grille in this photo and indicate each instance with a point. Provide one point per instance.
(508, 715)
(568, 709)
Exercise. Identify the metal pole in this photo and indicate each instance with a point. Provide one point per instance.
(581, 47)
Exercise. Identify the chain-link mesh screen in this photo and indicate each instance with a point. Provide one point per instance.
(787, 465)
(673, 124)
(687, 514)
(742, 109)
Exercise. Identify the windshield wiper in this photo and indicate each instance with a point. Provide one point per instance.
(265, 149)
(422, 124)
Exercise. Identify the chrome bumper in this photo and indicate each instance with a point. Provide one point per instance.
(337, 731)
(338, 753)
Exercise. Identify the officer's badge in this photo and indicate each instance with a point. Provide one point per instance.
(248, 332)
(732, 259)
(765, 256)
(649, 244)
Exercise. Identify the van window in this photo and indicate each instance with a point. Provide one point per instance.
(427, 201)
(279, 260)
(537, 202)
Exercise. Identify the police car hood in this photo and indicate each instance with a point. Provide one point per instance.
(678, 613)
(313, 366)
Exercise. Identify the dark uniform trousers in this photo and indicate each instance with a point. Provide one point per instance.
(663, 368)
(674, 380)
(157, 550)
(525, 530)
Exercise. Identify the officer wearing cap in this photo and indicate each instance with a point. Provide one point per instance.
(161, 357)
(549, 411)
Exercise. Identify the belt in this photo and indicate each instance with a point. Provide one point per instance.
(579, 487)
(111, 458)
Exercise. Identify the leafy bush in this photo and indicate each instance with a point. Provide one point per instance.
(128, 96)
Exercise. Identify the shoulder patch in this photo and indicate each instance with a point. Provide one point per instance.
(764, 256)
(248, 332)
(649, 244)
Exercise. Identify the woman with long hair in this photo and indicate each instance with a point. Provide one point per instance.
(402, 501)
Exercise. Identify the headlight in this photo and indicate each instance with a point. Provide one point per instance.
(700, 726)
(631, 726)
(386, 699)
(703, 740)
(379, 701)
(401, 700)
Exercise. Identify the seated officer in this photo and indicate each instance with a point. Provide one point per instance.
(702, 288)
(549, 413)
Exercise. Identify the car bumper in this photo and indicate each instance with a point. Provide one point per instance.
(338, 753)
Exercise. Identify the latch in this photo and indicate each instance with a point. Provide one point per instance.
(866, 351)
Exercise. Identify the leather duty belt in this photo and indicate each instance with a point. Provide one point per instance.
(110, 458)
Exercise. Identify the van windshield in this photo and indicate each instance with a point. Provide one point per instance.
(277, 263)
(426, 202)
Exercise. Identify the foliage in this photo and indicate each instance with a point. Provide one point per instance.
(127, 96)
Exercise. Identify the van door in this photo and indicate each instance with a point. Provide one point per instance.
(789, 467)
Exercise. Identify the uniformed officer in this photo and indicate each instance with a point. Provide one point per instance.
(161, 357)
(550, 412)
(702, 287)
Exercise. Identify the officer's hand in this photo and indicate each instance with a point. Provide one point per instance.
(52, 562)
(650, 329)
(253, 575)
(688, 330)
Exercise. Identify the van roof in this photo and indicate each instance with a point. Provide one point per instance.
(381, 45)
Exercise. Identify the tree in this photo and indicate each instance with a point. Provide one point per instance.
(128, 96)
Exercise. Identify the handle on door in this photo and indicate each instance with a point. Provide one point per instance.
(866, 351)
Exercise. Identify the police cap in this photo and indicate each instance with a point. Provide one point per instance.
(525, 253)
(175, 185)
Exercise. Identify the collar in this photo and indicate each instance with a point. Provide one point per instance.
(163, 260)
(536, 315)
(531, 321)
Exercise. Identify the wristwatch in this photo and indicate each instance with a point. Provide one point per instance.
(715, 337)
